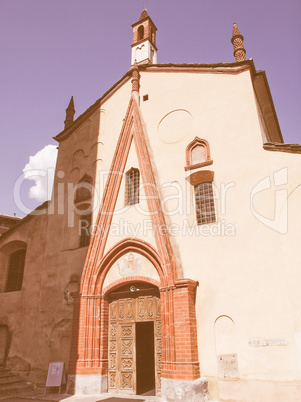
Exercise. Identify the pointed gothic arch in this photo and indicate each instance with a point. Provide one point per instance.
(89, 351)
(127, 281)
(121, 248)
(198, 154)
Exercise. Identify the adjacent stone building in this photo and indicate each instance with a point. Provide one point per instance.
(168, 259)
(7, 222)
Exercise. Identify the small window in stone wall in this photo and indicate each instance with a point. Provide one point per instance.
(197, 154)
(132, 182)
(15, 271)
(153, 36)
(85, 230)
(204, 203)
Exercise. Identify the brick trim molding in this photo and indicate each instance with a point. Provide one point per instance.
(201, 176)
(128, 280)
(89, 348)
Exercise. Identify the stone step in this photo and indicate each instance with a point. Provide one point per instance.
(4, 372)
(9, 389)
(11, 384)
(11, 379)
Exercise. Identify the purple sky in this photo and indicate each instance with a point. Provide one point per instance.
(51, 50)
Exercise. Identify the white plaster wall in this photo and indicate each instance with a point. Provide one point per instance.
(131, 220)
(246, 270)
(251, 276)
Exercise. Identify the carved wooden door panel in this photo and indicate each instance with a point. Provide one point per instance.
(122, 363)
(148, 309)
(127, 358)
(124, 313)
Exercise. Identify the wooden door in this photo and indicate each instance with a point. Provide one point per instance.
(148, 309)
(122, 356)
(124, 313)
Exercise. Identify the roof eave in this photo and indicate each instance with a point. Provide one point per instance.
(79, 120)
(142, 20)
(267, 107)
(235, 67)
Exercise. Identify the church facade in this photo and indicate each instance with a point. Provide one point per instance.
(167, 261)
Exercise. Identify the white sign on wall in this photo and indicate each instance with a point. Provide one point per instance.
(56, 375)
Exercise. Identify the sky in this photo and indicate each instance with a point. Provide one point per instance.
(52, 50)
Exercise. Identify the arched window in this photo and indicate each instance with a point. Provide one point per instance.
(226, 348)
(15, 271)
(84, 190)
(141, 32)
(153, 36)
(197, 154)
(204, 203)
(132, 182)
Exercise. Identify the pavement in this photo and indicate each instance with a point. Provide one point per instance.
(38, 396)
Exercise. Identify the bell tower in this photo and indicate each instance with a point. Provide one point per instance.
(144, 48)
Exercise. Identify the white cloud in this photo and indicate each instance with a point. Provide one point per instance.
(40, 169)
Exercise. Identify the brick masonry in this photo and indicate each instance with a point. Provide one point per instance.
(89, 348)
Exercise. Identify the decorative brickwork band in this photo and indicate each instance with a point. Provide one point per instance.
(135, 78)
(238, 44)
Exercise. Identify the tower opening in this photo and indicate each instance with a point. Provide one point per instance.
(141, 32)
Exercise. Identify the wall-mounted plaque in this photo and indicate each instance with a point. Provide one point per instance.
(268, 342)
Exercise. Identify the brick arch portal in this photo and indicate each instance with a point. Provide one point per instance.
(89, 349)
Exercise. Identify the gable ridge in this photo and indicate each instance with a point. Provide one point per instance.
(132, 129)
